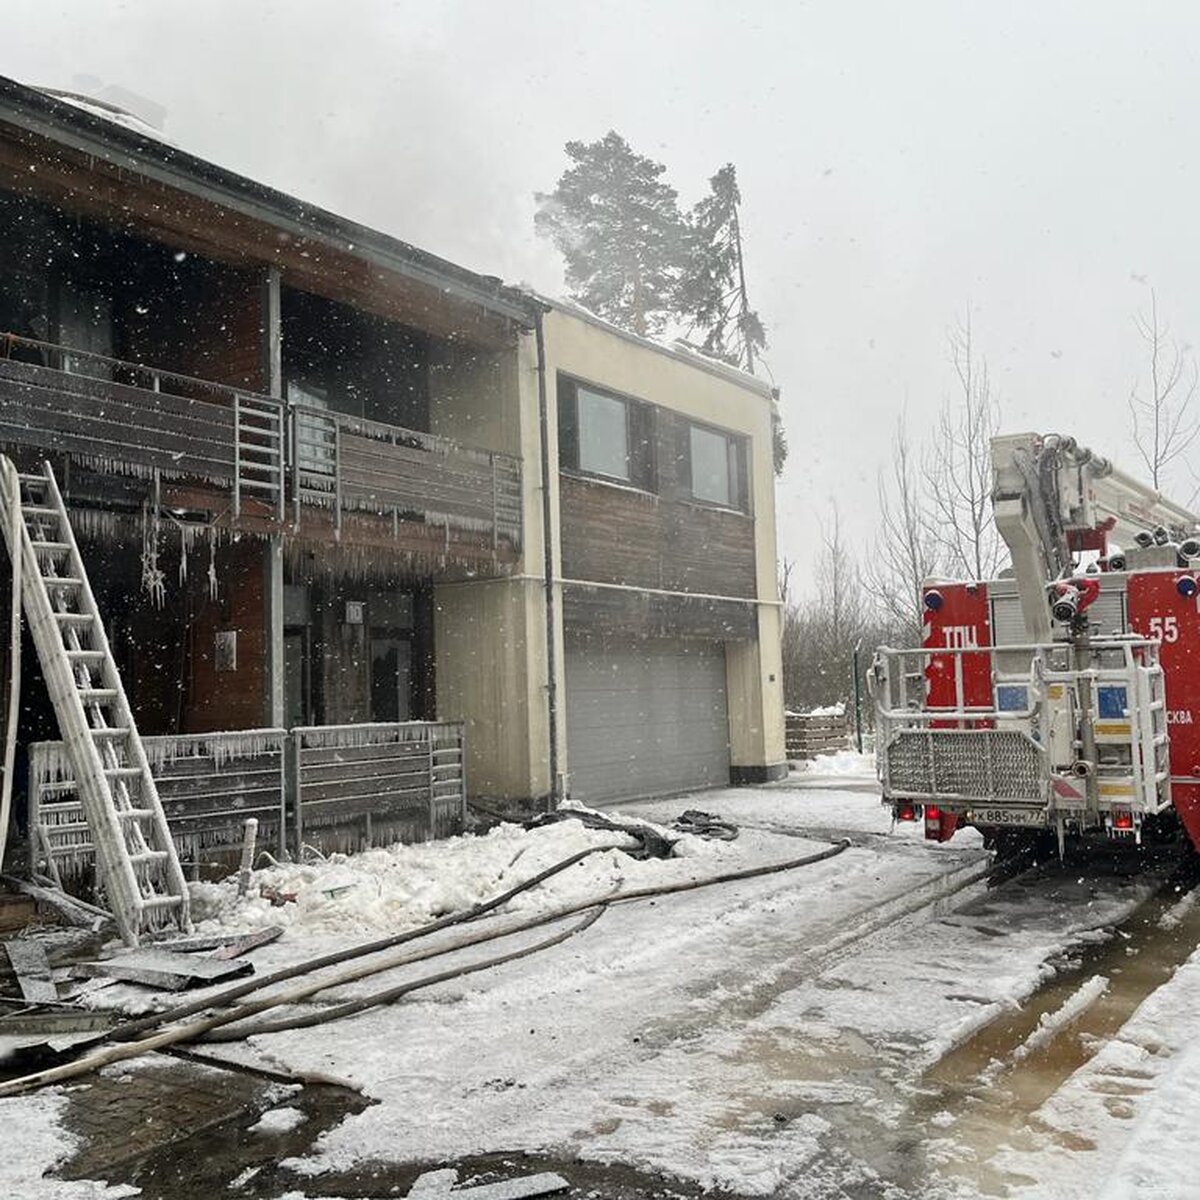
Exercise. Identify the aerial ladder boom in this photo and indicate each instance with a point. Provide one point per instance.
(1052, 497)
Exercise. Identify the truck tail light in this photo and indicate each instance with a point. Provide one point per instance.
(903, 810)
(933, 823)
(1122, 818)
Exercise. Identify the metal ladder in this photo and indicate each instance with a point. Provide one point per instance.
(135, 855)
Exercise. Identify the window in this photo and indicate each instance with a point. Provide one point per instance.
(85, 323)
(605, 435)
(316, 436)
(717, 465)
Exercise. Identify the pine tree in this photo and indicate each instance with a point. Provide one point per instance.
(619, 228)
(713, 293)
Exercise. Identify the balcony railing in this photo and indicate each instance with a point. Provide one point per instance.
(115, 415)
(125, 416)
(348, 463)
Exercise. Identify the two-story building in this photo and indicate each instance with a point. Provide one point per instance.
(321, 477)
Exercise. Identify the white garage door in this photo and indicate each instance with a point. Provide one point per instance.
(645, 718)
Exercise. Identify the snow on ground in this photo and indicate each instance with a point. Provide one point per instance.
(765, 1036)
(1130, 1113)
(621, 1044)
(639, 1040)
(400, 887)
(36, 1142)
(835, 795)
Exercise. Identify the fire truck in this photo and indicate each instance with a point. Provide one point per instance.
(1062, 698)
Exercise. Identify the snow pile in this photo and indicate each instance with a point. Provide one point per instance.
(1132, 1109)
(843, 763)
(1175, 915)
(111, 113)
(279, 1120)
(404, 886)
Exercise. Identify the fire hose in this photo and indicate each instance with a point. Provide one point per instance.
(130, 1045)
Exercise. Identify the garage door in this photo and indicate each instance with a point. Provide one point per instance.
(645, 718)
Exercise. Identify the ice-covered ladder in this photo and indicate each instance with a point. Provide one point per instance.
(135, 856)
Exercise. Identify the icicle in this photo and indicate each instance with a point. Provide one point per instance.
(153, 579)
(221, 748)
(212, 566)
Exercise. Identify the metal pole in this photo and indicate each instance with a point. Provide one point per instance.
(13, 706)
(857, 698)
(547, 561)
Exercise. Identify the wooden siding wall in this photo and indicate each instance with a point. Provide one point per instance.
(229, 699)
(594, 611)
(225, 339)
(618, 535)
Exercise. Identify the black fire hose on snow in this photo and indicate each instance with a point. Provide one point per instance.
(130, 1029)
(123, 1034)
(388, 995)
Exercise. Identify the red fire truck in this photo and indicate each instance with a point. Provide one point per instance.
(1064, 696)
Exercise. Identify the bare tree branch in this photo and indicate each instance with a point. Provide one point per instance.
(905, 553)
(1164, 422)
(956, 471)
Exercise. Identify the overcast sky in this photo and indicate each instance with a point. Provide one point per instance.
(899, 163)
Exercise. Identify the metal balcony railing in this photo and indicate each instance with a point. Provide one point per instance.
(140, 420)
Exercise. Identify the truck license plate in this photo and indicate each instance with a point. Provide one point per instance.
(1009, 816)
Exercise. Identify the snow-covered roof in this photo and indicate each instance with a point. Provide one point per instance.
(678, 350)
(110, 112)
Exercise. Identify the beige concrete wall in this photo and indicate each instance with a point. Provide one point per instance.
(490, 648)
(490, 635)
(754, 681)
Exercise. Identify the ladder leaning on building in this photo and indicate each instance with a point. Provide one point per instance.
(136, 860)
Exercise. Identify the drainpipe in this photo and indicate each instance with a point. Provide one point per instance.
(548, 558)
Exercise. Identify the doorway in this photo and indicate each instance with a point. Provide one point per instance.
(391, 678)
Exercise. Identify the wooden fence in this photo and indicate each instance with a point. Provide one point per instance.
(341, 788)
(810, 734)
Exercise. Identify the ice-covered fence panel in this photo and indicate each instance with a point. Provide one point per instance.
(355, 786)
(208, 784)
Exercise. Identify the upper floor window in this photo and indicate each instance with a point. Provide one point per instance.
(717, 467)
(605, 435)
